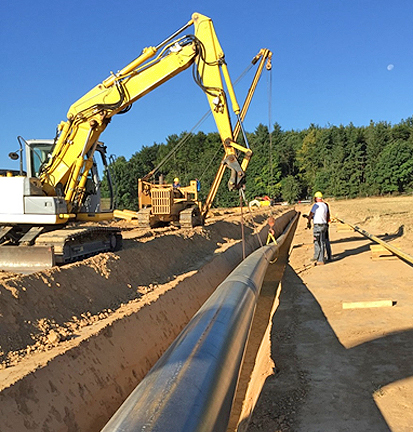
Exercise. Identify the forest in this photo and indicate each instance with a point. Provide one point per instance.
(341, 161)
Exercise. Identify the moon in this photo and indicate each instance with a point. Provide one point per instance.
(390, 67)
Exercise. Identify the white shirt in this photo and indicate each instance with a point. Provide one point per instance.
(320, 211)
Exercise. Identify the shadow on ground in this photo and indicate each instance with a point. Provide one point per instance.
(319, 385)
(389, 238)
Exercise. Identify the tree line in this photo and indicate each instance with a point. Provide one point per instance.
(340, 161)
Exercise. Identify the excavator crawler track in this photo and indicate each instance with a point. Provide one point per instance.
(60, 246)
(74, 243)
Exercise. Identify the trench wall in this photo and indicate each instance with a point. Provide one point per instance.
(80, 388)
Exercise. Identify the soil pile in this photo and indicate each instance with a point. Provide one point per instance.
(42, 310)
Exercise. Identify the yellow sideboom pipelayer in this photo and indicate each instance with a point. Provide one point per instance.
(60, 183)
(163, 203)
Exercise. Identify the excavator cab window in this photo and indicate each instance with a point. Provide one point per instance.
(39, 153)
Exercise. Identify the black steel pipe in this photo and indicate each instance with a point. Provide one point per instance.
(192, 386)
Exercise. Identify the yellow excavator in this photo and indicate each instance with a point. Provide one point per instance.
(164, 203)
(59, 184)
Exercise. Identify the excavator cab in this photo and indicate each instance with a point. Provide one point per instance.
(35, 206)
(39, 151)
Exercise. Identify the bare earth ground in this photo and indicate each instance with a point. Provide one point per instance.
(40, 310)
(339, 369)
(75, 340)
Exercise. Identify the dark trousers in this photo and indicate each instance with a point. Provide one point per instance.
(328, 244)
(320, 231)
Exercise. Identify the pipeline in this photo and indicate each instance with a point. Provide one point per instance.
(192, 386)
(388, 246)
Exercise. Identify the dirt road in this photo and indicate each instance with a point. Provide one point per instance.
(343, 369)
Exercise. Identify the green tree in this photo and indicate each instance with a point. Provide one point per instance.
(124, 196)
(307, 160)
(263, 173)
(338, 160)
(378, 135)
(290, 189)
(395, 167)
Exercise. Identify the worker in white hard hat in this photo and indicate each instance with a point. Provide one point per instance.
(320, 214)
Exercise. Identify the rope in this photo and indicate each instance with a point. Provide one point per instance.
(179, 144)
(242, 198)
(270, 237)
(189, 134)
(252, 217)
(242, 223)
(269, 85)
(210, 162)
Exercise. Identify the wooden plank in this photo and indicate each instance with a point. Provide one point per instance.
(125, 214)
(344, 227)
(129, 212)
(379, 252)
(368, 304)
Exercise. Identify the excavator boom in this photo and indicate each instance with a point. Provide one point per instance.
(264, 60)
(89, 116)
(35, 209)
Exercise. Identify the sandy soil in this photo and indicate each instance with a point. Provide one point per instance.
(336, 369)
(325, 369)
(76, 340)
(40, 310)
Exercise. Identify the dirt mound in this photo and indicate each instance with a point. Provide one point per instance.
(389, 218)
(43, 309)
(76, 340)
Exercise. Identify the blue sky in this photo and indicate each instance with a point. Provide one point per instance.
(330, 65)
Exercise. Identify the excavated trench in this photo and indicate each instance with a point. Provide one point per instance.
(76, 340)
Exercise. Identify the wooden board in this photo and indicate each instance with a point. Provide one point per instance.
(379, 252)
(343, 227)
(368, 304)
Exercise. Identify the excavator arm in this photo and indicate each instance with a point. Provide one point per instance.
(37, 206)
(263, 58)
(66, 172)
